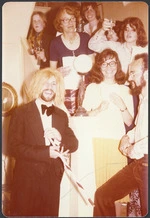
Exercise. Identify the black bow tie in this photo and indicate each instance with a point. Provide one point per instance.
(49, 110)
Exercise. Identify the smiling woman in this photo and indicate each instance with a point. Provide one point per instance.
(92, 16)
(63, 50)
(113, 109)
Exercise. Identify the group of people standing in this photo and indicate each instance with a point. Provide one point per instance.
(39, 132)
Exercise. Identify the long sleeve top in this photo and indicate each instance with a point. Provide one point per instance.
(99, 42)
(108, 123)
(139, 134)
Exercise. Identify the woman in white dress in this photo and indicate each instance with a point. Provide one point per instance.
(110, 101)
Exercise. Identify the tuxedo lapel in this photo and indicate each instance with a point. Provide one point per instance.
(35, 123)
(57, 119)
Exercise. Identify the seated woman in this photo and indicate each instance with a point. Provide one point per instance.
(110, 101)
(39, 41)
(63, 50)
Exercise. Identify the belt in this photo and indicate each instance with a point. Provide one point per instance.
(145, 164)
(145, 160)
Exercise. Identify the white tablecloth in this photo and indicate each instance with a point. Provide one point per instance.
(82, 165)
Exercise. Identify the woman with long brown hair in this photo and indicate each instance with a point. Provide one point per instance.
(132, 40)
(110, 103)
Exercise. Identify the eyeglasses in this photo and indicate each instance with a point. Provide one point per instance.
(111, 64)
(67, 20)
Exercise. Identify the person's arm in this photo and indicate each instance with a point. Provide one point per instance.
(133, 150)
(20, 136)
(120, 103)
(92, 105)
(98, 42)
(44, 54)
(127, 118)
(103, 106)
(69, 140)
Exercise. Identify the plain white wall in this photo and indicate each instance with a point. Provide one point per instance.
(15, 24)
(121, 10)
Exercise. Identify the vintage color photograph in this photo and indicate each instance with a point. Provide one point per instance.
(75, 109)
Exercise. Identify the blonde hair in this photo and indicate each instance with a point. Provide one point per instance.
(38, 80)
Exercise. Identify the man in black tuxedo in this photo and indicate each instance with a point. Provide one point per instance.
(38, 134)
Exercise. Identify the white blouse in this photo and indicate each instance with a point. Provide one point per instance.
(108, 123)
(99, 42)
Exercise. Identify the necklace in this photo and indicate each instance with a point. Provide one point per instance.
(72, 43)
(72, 40)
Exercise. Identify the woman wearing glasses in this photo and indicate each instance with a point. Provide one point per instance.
(110, 101)
(132, 40)
(64, 48)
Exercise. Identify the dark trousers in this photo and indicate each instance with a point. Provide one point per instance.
(134, 175)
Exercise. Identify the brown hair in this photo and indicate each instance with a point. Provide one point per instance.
(138, 26)
(84, 8)
(97, 75)
(32, 33)
(144, 57)
(41, 14)
(71, 10)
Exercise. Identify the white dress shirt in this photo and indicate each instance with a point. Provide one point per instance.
(139, 135)
(46, 120)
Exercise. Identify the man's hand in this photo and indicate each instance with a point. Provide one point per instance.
(41, 55)
(124, 145)
(52, 133)
(55, 153)
(64, 155)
